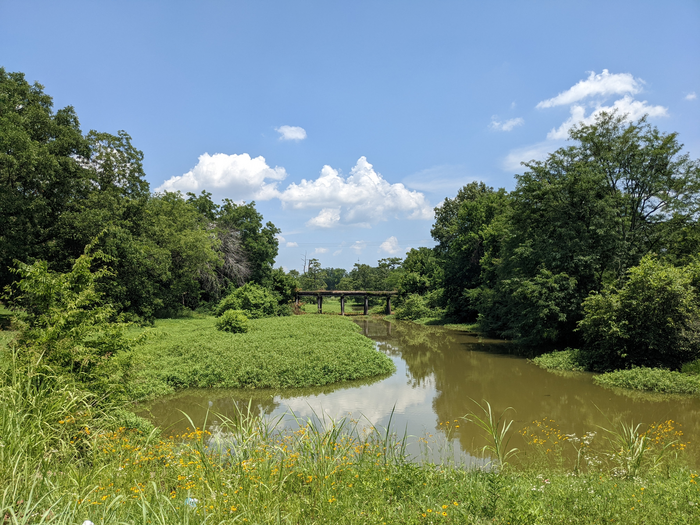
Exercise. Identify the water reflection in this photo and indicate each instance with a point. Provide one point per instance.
(439, 374)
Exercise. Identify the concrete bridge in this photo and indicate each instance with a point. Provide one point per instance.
(320, 294)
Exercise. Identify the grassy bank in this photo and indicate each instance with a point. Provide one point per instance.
(641, 378)
(60, 464)
(279, 352)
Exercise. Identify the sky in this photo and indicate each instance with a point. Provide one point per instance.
(349, 122)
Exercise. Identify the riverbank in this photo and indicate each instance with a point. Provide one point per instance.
(659, 380)
(278, 352)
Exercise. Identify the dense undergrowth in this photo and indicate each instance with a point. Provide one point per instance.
(278, 352)
(61, 463)
(686, 381)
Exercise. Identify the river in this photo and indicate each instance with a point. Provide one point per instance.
(440, 374)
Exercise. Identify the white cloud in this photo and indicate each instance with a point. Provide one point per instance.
(291, 133)
(362, 198)
(358, 246)
(238, 177)
(691, 96)
(320, 250)
(537, 151)
(337, 252)
(327, 218)
(280, 239)
(597, 88)
(512, 105)
(508, 125)
(634, 109)
(391, 246)
(292, 245)
(604, 85)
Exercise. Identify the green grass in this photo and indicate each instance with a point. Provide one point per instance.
(564, 360)
(279, 352)
(652, 380)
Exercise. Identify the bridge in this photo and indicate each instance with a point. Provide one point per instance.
(320, 294)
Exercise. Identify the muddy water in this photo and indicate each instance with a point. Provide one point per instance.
(439, 372)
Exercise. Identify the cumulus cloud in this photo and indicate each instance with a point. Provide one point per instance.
(327, 218)
(391, 246)
(508, 125)
(362, 198)
(320, 250)
(292, 245)
(634, 109)
(691, 96)
(238, 177)
(605, 84)
(586, 101)
(291, 133)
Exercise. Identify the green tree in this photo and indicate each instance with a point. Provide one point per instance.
(259, 242)
(652, 319)
(41, 175)
(468, 230)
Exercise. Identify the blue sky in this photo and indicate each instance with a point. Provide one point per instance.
(347, 122)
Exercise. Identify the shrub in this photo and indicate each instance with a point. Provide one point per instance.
(651, 379)
(652, 320)
(568, 359)
(234, 321)
(413, 308)
(257, 302)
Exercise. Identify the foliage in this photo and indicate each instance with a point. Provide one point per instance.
(254, 300)
(279, 352)
(66, 325)
(234, 321)
(567, 360)
(422, 272)
(652, 320)
(259, 242)
(413, 307)
(652, 380)
(497, 432)
(469, 230)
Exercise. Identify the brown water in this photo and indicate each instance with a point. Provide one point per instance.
(439, 372)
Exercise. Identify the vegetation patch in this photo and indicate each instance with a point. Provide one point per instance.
(278, 352)
(651, 379)
(567, 360)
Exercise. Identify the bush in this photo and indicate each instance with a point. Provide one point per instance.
(652, 380)
(254, 300)
(413, 308)
(234, 321)
(569, 360)
(652, 321)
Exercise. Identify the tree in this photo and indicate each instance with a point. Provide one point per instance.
(40, 174)
(581, 219)
(652, 320)
(468, 230)
(259, 242)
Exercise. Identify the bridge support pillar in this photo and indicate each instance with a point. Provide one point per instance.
(342, 305)
(366, 305)
(319, 301)
(388, 305)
